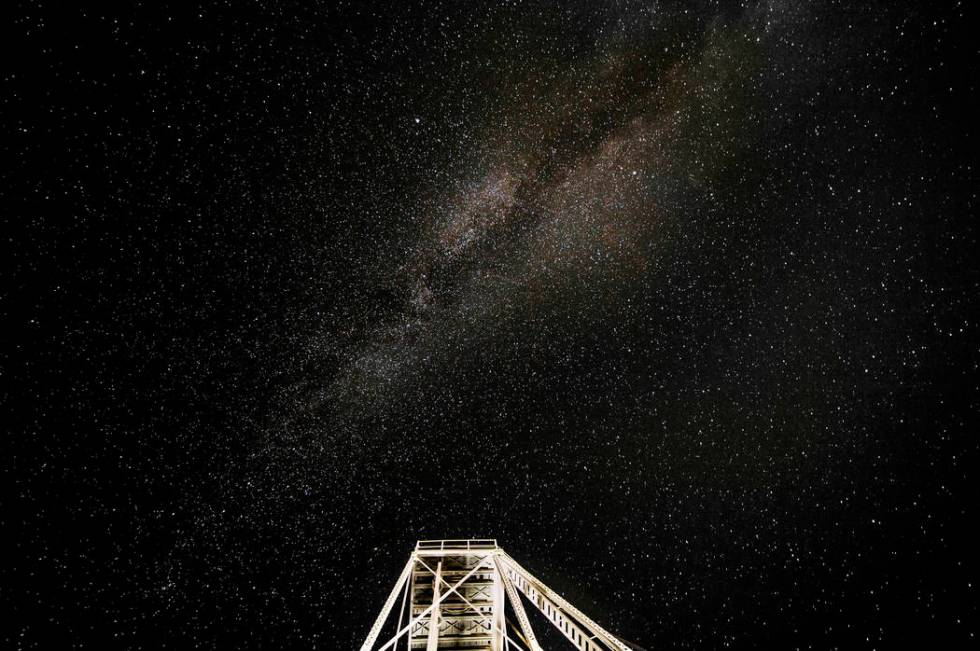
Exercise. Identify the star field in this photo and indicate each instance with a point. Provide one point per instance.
(677, 301)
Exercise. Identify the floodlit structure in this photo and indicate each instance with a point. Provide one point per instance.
(465, 594)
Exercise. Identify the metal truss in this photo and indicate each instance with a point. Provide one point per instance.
(455, 594)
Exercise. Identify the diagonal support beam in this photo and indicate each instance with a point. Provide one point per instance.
(565, 624)
(515, 602)
(383, 616)
(497, 594)
(433, 642)
(560, 608)
(409, 589)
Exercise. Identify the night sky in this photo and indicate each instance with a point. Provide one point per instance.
(677, 300)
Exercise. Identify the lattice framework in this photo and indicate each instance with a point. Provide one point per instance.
(454, 595)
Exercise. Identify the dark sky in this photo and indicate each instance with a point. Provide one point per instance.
(677, 300)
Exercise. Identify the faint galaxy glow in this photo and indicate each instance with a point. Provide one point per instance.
(675, 300)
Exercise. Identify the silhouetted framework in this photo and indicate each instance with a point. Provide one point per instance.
(465, 594)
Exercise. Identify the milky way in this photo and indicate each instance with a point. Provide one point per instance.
(675, 300)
